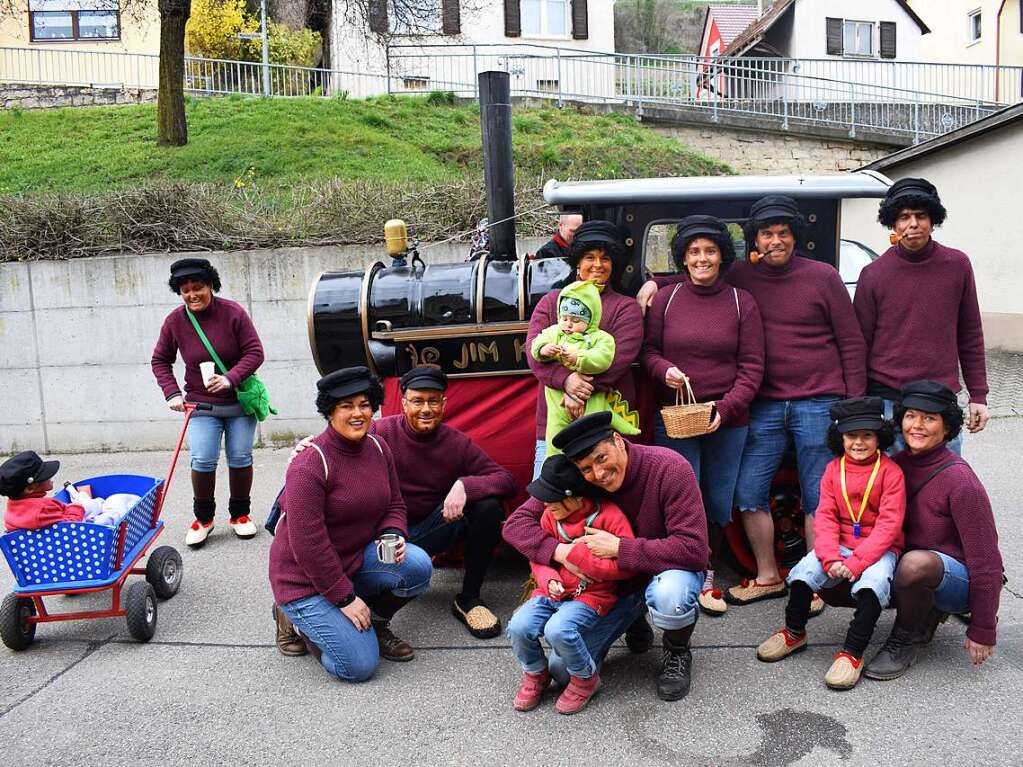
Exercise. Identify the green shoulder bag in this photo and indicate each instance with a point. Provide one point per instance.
(251, 393)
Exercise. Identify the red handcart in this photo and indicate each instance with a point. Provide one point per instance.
(81, 557)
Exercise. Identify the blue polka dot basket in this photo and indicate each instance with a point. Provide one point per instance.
(78, 554)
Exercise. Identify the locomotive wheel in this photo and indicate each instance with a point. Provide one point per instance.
(140, 609)
(164, 571)
(16, 631)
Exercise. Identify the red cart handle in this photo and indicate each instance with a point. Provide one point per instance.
(189, 407)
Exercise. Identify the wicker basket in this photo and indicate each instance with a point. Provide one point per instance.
(686, 418)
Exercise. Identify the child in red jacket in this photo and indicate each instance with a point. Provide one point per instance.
(570, 599)
(25, 479)
(858, 537)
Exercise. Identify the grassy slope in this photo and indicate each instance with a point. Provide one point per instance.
(288, 142)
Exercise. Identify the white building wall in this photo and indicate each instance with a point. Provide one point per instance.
(809, 40)
(981, 198)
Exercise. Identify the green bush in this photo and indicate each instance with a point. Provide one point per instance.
(441, 99)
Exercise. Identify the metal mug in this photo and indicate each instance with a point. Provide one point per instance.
(387, 548)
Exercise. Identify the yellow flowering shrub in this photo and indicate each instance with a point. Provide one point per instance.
(213, 28)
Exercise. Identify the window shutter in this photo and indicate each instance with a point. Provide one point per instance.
(451, 17)
(580, 20)
(887, 39)
(512, 19)
(378, 16)
(835, 37)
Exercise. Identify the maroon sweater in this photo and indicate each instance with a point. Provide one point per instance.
(812, 342)
(717, 343)
(920, 318)
(428, 465)
(660, 497)
(621, 317)
(952, 514)
(329, 520)
(233, 337)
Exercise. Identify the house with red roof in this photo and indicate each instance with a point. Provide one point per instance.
(721, 25)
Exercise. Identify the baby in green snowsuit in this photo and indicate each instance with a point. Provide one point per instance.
(580, 345)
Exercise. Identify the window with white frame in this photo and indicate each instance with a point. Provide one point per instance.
(546, 18)
(973, 29)
(60, 20)
(858, 38)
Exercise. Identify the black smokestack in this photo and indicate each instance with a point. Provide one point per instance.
(498, 172)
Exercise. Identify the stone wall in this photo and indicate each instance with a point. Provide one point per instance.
(759, 152)
(76, 338)
(13, 95)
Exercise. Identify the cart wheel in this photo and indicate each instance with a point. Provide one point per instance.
(15, 629)
(140, 606)
(164, 571)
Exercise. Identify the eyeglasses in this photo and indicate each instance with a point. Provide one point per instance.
(419, 404)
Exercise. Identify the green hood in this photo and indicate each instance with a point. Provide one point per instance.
(587, 293)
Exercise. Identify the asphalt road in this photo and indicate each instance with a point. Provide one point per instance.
(210, 688)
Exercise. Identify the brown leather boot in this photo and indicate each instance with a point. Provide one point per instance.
(288, 640)
(391, 647)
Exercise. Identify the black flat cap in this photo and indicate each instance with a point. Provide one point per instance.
(858, 413)
(912, 187)
(578, 438)
(186, 267)
(424, 377)
(346, 381)
(559, 479)
(928, 396)
(597, 233)
(771, 207)
(24, 469)
(696, 226)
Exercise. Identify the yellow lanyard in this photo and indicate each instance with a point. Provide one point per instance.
(866, 495)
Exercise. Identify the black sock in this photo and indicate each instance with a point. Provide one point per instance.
(797, 611)
(861, 627)
(483, 532)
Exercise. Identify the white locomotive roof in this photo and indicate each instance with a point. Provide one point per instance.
(695, 188)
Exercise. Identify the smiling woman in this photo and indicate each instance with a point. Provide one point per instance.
(206, 321)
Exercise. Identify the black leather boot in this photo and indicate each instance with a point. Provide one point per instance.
(895, 657)
(676, 669)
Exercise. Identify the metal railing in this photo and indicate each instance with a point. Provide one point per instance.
(913, 100)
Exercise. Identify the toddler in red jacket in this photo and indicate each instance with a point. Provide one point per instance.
(25, 479)
(857, 537)
(571, 598)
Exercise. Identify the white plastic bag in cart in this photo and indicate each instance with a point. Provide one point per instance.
(113, 509)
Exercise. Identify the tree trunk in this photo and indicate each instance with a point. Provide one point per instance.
(171, 129)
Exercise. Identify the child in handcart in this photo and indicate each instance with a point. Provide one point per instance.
(25, 479)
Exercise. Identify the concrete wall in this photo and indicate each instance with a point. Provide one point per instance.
(76, 338)
(983, 213)
(759, 152)
(49, 96)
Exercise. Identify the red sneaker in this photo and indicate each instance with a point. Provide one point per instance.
(577, 694)
(531, 690)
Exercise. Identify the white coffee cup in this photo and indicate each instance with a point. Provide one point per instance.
(207, 369)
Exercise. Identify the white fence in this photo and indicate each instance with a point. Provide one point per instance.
(917, 100)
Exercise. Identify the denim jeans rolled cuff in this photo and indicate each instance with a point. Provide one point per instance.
(408, 579)
(953, 593)
(347, 653)
(877, 577)
(671, 597)
(563, 625)
(205, 433)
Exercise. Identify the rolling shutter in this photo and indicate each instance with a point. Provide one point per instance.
(580, 20)
(451, 17)
(887, 39)
(378, 16)
(512, 19)
(835, 37)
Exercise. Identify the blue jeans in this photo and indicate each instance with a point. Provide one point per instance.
(774, 427)
(953, 593)
(671, 599)
(877, 577)
(562, 624)
(715, 460)
(350, 654)
(204, 435)
(538, 457)
(955, 445)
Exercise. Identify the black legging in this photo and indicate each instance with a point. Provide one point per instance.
(916, 579)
